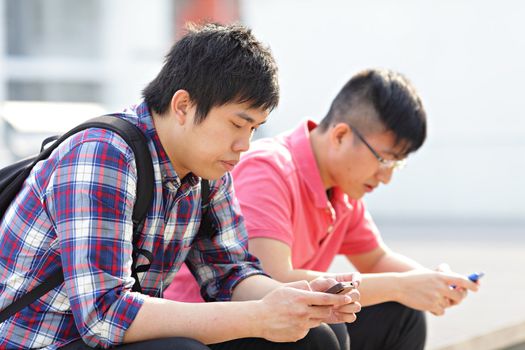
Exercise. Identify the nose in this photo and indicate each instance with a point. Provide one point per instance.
(385, 175)
(242, 144)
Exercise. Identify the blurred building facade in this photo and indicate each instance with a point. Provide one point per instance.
(92, 50)
(465, 58)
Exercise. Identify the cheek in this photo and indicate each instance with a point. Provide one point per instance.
(352, 170)
(214, 141)
(341, 170)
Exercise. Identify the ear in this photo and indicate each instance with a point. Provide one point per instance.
(180, 105)
(338, 132)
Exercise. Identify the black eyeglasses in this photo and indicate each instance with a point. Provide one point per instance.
(383, 163)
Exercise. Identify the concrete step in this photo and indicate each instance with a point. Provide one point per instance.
(507, 338)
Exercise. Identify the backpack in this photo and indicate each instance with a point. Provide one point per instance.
(13, 176)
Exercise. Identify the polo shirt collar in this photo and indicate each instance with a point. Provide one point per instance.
(305, 162)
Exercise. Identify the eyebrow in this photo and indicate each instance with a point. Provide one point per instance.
(249, 119)
(396, 155)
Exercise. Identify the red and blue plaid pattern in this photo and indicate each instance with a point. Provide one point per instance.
(75, 210)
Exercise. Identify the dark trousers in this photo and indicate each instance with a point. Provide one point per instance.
(321, 338)
(388, 326)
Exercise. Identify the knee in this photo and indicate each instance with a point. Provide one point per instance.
(320, 338)
(415, 320)
(413, 323)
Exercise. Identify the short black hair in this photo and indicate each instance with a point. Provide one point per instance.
(216, 64)
(393, 99)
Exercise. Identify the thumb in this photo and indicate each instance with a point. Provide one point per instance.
(349, 277)
(304, 285)
(321, 284)
(443, 267)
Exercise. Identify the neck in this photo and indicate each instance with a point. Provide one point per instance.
(319, 145)
(170, 139)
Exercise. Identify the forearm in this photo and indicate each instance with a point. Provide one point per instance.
(285, 275)
(378, 288)
(375, 288)
(206, 322)
(382, 282)
(393, 262)
(254, 288)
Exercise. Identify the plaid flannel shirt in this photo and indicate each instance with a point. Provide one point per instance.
(75, 210)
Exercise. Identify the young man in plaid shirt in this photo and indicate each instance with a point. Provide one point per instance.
(217, 86)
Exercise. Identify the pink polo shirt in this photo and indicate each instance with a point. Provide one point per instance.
(282, 197)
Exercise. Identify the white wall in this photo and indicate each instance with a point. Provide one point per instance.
(127, 43)
(126, 39)
(466, 58)
(2, 48)
(137, 35)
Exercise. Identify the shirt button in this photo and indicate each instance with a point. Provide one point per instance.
(330, 229)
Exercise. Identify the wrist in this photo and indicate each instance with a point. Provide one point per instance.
(256, 317)
(397, 281)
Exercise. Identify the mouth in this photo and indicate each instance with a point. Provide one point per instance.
(369, 188)
(229, 164)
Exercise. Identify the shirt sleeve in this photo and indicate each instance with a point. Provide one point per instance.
(362, 234)
(219, 260)
(90, 200)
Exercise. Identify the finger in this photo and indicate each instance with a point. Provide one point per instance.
(349, 308)
(355, 295)
(322, 284)
(443, 267)
(345, 317)
(438, 311)
(446, 303)
(456, 295)
(320, 298)
(461, 282)
(440, 303)
(349, 277)
(453, 303)
(357, 278)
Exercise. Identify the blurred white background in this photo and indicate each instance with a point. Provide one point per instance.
(466, 58)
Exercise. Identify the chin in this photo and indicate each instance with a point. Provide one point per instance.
(354, 195)
(216, 177)
(211, 175)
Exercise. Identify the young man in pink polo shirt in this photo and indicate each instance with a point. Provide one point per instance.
(301, 196)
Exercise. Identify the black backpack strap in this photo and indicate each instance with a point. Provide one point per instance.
(145, 183)
(145, 179)
(205, 195)
(139, 144)
(206, 227)
(55, 280)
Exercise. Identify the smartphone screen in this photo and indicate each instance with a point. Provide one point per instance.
(341, 288)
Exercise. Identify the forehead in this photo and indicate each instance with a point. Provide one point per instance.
(243, 111)
(384, 141)
(387, 143)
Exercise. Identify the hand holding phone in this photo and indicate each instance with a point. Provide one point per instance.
(474, 277)
(341, 288)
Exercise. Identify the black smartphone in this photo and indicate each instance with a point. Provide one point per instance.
(341, 288)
